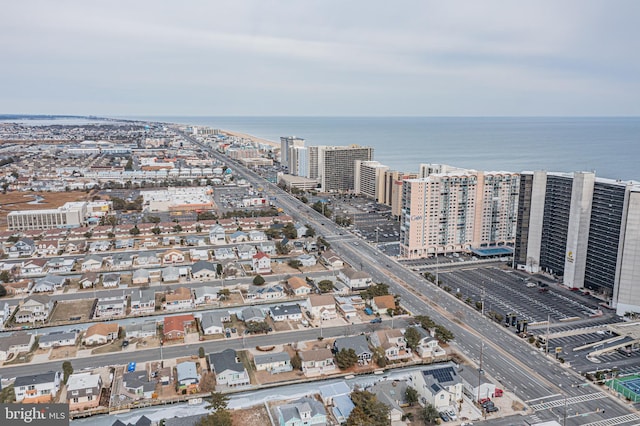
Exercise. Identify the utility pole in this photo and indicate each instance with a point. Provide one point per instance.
(480, 370)
(547, 339)
(437, 281)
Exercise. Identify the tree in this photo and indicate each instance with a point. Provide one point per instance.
(5, 276)
(281, 248)
(346, 358)
(8, 395)
(201, 353)
(429, 414)
(134, 230)
(379, 357)
(155, 230)
(411, 396)
(220, 416)
(177, 228)
(310, 231)
(295, 263)
(380, 289)
(223, 293)
(296, 362)
(325, 286)
(412, 336)
(425, 321)
(290, 231)
(219, 269)
(217, 401)
(206, 216)
(3, 291)
(153, 219)
(443, 334)
(67, 370)
(258, 280)
(368, 410)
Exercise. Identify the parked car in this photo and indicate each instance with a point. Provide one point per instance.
(444, 416)
(376, 321)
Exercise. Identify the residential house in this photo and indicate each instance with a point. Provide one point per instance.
(142, 330)
(138, 384)
(198, 255)
(22, 247)
(110, 307)
(428, 346)
(302, 412)
(101, 333)
(261, 263)
(354, 279)
(47, 247)
(307, 260)
(125, 243)
(57, 338)
(224, 253)
(393, 343)
(34, 308)
(317, 361)
(170, 274)
(205, 295)
(228, 369)
(72, 247)
(297, 286)
(381, 304)
(155, 275)
(202, 270)
(33, 267)
(111, 280)
(301, 230)
(122, 260)
(172, 256)
(216, 235)
(197, 241)
(48, 283)
(147, 259)
(212, 322)
(5, 313)
(238, 237)
(278, 362)
(268, 247)
(322, 306)
(257, 236)
(358, 343)
(37, 388)
(285, 313)
(252, 314)
(89, 279)
(140, 276)
(246, 251)
(96, 246)
(270, 292)
(332, 260)
(187, 375)
(228, 224)
(476, 385)
(176, 327)
(246, 223)
(13, 344)
(60, 265)
(392, 393)
(143, 301)
(180, 299)
(92, 262)
(18, 288)
(336, 395)
(439, 385)
(83, 391)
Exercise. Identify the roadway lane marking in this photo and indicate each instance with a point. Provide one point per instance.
(569, 401)
(615, 420)
(543, 397)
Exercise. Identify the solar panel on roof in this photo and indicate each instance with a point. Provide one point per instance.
(441, 374)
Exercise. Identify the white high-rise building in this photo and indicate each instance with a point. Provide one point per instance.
(369, 179)
(336, 166)
(299, 161)
(286, 144)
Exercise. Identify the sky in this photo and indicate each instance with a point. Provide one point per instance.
(327, 58)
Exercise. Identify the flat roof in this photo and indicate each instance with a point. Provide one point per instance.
(492, 251)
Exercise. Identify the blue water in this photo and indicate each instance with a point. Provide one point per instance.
(608, 146)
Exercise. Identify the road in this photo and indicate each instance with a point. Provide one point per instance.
(512, 361)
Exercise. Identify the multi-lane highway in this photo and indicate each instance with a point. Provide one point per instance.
(521, 369)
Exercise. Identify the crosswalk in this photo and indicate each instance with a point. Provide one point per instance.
(615, 420)
(573, 400)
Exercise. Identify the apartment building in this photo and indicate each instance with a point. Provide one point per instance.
(336, 166)
(457, 210)
(584, 230)
(70, 215)
(369, 179)
(286, 145)
(392, 190)
(299, 161)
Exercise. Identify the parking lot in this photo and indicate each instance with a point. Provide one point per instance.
(231, 198)
(506, 292)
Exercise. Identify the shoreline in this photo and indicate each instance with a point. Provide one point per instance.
(250, 137)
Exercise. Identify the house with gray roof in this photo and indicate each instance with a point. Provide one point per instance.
(252, 314)
(92, 262)
(439, 385)
(392, 394)
(144, 329)
(212, 322)
(302, 412)
(205, 294)
(247, 251)
(36, 307)
(15, 343)
(57, 338)
(143, 301)
(286, 312)
(203, 269)
(110, 280)
(48, 283)
(37, 388)
(473, 387)
(358, 343)
(140, 276)
(138, 384)
(228, 369)
(277, 362)
(170, 274)
(183, 421)
(216, 234)
(187, 375)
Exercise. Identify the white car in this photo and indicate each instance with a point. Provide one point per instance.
(452, 415)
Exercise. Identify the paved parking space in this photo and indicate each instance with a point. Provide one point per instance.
(505, 292)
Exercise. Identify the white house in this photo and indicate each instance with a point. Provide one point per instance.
(142, 330)
(203, 269)
(92, 262)
(212, 322)
(37, 388)
(257, 236)
(228, 368)
(261, 263)
(297, 286)
(216, 235)
(393, 343)
(272, 292)
(110, 280)
(56, 339)
(224, 253)
(278, 362)
(15, 343)
(317, 361)
(322, 306)
(109, 307)
(285, 313)
(246, 251)
(354, 279)
(439, 385)
(34, 308)
(101, 333)
(143, 301)
(205, 295)
(307, 260)
(48, 283)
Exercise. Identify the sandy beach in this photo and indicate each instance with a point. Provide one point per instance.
(251, 137)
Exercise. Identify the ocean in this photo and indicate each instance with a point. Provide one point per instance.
(610, 146)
